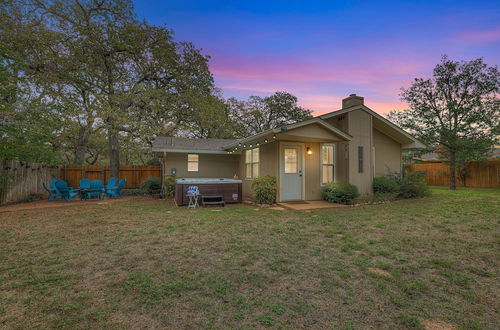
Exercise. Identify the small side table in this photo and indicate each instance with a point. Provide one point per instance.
(193, 201)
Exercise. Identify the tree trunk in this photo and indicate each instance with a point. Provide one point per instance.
(80, 148)
(79, 154)
(453, 185)
(114, 154)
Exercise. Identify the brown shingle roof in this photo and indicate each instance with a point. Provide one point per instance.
(166, 143)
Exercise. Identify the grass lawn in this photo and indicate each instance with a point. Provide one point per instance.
(407, 264)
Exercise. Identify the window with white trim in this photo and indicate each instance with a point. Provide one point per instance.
(327, 163)
(193, 162)
(252, 163)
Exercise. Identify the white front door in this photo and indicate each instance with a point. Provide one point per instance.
(291, 172)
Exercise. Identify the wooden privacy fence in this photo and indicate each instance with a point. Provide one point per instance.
(134, 175)
(19, 179)
(475, 174)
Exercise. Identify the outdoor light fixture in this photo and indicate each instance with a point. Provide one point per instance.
(309, 151)
(274, 136)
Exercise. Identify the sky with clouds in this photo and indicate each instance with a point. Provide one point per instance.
(322, 51)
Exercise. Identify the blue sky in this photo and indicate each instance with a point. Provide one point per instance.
(321, 51)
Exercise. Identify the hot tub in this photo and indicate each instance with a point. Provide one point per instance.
(229, 189)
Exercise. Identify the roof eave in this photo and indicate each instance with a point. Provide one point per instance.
(416, 144)
(187, 151)
(290, 127)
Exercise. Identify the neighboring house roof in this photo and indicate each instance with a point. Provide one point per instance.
(495, 153)
(282, 129)
(381, 123)
(179, 144)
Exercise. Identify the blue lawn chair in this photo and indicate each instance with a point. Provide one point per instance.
(66, 192)
(84, 186)
(52, 190)
(115, 190)
(96, 189)
(121, 184)
(111, 183)
(110, 186)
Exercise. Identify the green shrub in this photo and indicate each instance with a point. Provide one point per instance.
(342, 193)
(395, 176)
(264, 189)
(134, 192)
(414, 185)
(385, 185)
(151, 184)
(169, 186)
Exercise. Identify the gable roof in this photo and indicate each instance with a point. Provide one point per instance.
(288, 127)
(179, 144)
(382, 123)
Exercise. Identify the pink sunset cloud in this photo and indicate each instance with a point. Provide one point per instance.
(322, 70)
(319, 87)
(478, 36)
(325, 104)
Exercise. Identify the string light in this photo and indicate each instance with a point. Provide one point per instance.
(250, 145)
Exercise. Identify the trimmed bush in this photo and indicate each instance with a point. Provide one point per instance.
(264, 189)
(151, 185)
(414, 185)
(169, 186)
(383, 185)
(342, 193)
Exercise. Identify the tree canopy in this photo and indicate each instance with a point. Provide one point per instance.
(456, 110)
(261, 113)
(87, 80)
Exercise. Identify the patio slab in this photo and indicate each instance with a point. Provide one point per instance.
(309, 205)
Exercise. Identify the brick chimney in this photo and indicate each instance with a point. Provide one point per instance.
(352, 100)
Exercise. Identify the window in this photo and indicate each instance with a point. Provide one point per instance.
(360, 159)
(290, 160)
(193, 162)
(327, 163)
(252, 163)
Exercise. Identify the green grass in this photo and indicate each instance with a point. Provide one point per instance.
(147, 263)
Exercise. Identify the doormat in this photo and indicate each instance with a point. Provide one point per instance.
(297, 202)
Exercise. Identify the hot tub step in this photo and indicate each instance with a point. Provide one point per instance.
(212, 200)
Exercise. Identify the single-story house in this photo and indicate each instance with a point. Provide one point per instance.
(353, 145)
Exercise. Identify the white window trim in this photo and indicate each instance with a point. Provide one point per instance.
(251, 163)
(321, 162)
(192, 161)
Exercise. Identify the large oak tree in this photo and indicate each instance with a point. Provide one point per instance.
(456, 110)
(101, 68)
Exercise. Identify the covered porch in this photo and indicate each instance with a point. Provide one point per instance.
(302, 157)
